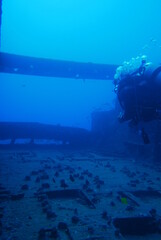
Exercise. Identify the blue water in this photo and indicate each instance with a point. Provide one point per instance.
(83, 30)
(119, 174)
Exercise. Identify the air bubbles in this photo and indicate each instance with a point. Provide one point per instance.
(145, 47)
(129, 67)
(154, 41)
(144, 58)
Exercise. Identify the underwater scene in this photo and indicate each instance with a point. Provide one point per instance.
(80, 120)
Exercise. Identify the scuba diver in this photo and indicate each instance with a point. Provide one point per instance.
(138, 88)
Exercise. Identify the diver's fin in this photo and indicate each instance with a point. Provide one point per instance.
(145, 136)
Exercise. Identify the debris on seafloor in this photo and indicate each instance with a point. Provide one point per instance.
(104, 215)
(51, 233)
(62, 226)
(44, 176)
(135, 226)
(0, 228)
(45, 185)
(63, 184)
(16, 197)
(4, 193)
(27, 178)
(25, 187)
(71, 178)
(75, 219)
(81, 200)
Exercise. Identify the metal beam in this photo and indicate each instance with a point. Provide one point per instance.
(22, 130)
(16, 64)
(0, 19)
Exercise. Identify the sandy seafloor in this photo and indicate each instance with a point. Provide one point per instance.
(99, 176)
